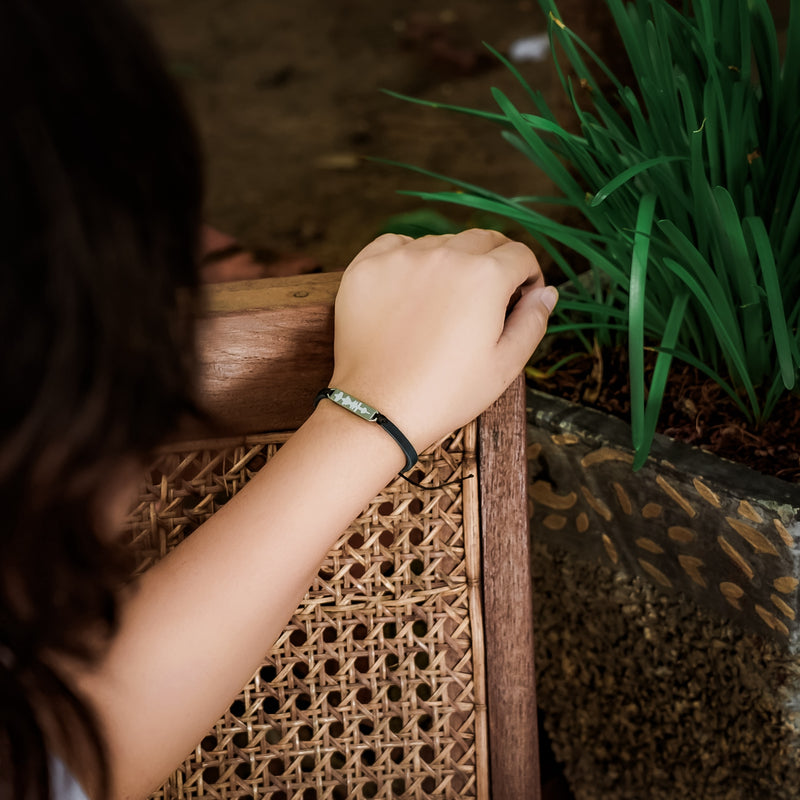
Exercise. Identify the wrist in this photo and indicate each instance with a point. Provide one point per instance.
(347, 432)
(370, 414)
(395, 404)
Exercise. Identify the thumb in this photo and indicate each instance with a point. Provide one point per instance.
(527, 323)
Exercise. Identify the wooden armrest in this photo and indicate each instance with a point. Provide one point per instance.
(265, 349)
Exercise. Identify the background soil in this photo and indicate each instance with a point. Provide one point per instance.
(287, 98)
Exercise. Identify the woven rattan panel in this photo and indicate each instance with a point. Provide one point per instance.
(375, 687)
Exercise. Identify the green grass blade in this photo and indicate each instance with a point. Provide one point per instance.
(470, 188)
(591, 307)
(715, 289)
(636, 312)
(565, 267)
(420, 222)
(572, 45)
(502, 207)
(542, 199)
(772, 287)
(621, 179)
(791, 238)
(536, 97)
(790, 72)
(691, 122)
(658, 382)
(630, 27)
(570, 327)
(492, 116)
(783, 181)
(548, 162)
(767, 57)
(726, 336)
(776, 391)
(737, 263)
(699, 188)
(590, 246)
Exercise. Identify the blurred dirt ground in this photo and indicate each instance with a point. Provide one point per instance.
(287, 98)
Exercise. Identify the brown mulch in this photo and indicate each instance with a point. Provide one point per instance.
(695, 410)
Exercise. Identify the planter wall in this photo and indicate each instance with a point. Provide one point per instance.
(667, 606)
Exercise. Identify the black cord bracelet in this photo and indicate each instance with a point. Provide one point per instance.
(370, 414)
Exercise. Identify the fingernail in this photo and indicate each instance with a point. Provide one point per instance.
(549, 297)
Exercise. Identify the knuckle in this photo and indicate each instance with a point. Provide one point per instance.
(519, 251)
(487, 233)
(519, 247)
(391, 238)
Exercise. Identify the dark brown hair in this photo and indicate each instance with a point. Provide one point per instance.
(100, 192)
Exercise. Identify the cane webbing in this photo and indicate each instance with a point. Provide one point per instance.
(375, 688)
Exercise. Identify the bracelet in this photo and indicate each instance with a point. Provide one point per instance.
(371, 414)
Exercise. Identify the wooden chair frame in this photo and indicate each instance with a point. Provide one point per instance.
(266, 348)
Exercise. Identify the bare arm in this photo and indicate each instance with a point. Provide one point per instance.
(421, 334)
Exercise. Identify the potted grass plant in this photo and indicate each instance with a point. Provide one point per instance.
(681, 249)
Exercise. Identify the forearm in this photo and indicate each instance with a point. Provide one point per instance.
(201, 620)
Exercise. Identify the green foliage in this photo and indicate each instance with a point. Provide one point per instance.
(426, 221)
(689, 185)
(420, 222)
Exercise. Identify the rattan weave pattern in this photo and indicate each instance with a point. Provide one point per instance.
(375, 687)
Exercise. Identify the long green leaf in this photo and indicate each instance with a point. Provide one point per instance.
(587, 243)
(790, 73)
(572, 45)
(586, 326)
(471, 188)
(739, 264)
(660, 377)
(491, 116)
(565, 267)
(551, 165)
(718, 294)
(536, 97)
(780, 330)
(636, 303)
(620, 180)
(583, 307)
(731, 348)
(767, 57)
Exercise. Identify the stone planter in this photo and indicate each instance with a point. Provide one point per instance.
(667, 604)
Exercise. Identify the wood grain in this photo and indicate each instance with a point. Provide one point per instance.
(265, 349)
(508, 599)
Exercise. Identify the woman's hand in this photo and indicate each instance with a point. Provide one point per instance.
(423, 331)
